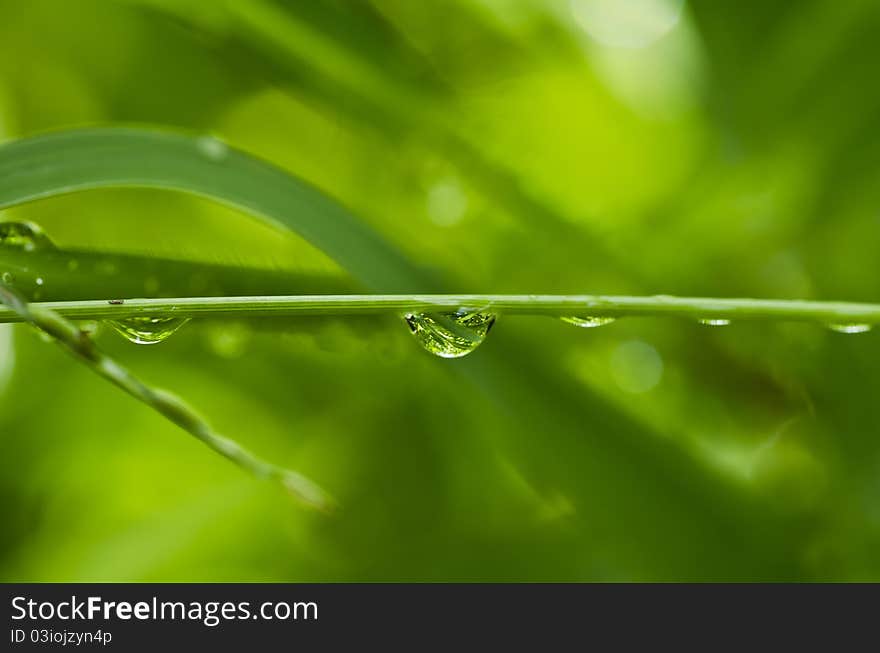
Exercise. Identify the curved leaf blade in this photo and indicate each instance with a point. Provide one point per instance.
(83, 159)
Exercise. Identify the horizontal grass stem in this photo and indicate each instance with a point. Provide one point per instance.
(551, 305)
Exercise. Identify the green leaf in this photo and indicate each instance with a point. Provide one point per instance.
(63, 162)
(72, 274)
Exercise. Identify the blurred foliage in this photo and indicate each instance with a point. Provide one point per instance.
(579, 146)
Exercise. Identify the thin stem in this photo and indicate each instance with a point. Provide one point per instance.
(553, 305)
(81, 346)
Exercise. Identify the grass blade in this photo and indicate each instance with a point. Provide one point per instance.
(550, 305)
(174, 409)
(64, 162)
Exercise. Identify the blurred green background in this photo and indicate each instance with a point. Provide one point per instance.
(554, 146)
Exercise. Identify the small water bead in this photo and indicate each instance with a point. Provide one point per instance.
(147, 329)
(8, 278)
(24, 235)
(450, 335)
(714, 321)
(588, 322)
(212, 148)
(850, 328)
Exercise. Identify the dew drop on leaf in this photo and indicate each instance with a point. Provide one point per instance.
(147, 330)
(450, 335)
(8, 278)
(850, 328)
(714, 321)
(24, 235)
(588, 322)
(212, 148)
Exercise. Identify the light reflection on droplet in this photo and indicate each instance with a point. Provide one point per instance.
(147, 330)
(450, 335)
(588, 322)
(850, 328)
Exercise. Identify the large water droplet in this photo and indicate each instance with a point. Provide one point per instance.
(714, 321)
(147, 329)
(24, 235)
(588, 322)
(450, 335)
(850, 327)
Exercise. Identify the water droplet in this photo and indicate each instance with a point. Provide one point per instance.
(39, 281)
(850, 328)
(450, 335)
(714, 321)
(147, 329)
(8, 278)
(24, 235)
(212, 148)
(588, 322)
